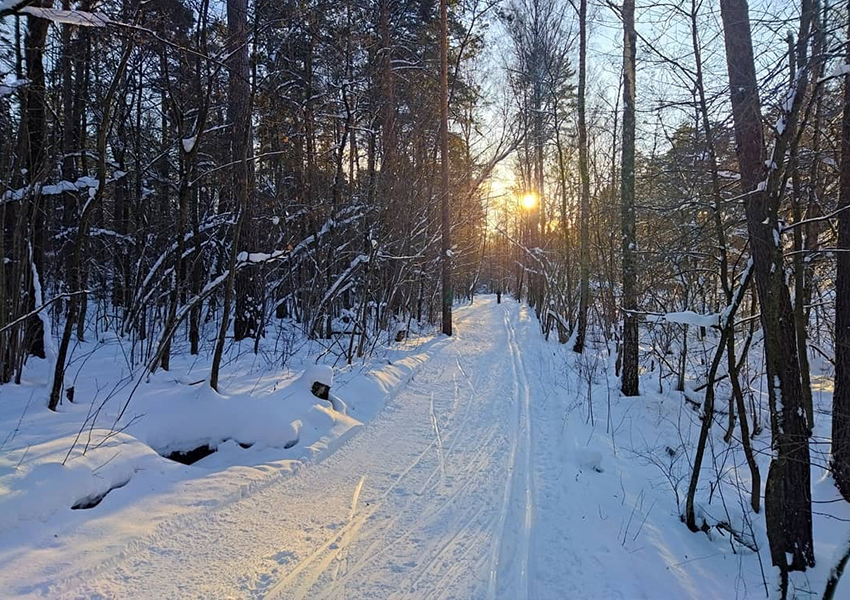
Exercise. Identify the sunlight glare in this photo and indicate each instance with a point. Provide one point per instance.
(529, 200)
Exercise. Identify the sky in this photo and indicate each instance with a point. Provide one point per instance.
(662, 26)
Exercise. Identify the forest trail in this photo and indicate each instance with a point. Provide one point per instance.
(481, 478)
(438, 497)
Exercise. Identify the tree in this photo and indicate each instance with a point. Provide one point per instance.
(584, 217)
(728, 293)
(788, 489)
(239, 115)
(247, 320)
(841, 395)
(629, 384)
(445, 215)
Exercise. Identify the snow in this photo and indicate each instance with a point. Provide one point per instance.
(254, 257)
(466, 467)
(589, 458)
(82, 183)
(9, 4)
(10, 83)
(43, 316)
(161, 422)
(839, 71)
(318, 373)
(777, 390)
(69, 17)
(189, 143)
(791, 92)
(692, 318)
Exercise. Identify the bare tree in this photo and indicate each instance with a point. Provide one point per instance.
(788, 490)
(445, 214)
(584, 217)
(841, 395)
(629, 384)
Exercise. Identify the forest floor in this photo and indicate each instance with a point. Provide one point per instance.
(486, 474)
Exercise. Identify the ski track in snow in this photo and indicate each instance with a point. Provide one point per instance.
(438, 491)
(459, 488)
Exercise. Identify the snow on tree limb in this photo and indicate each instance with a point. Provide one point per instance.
(79, 18)
(67, 17)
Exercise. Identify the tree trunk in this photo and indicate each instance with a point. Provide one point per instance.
(788, 490)
(445, 216)
(841, 395)
(584, 252)
(248, 315)
(737, 393)
(627, 206)
(31, 149)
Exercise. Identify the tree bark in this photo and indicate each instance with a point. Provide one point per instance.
(841, 395)
(248, 314)
(584, 251)
(445, 215)
(31, 148)
(788, 490)
(629, 385)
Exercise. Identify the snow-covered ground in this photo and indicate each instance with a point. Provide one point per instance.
(491, 465)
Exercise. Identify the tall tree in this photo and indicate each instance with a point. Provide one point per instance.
(841, 395)
(247, 320)
(788, 490)
(31, 151)
(629, 384)
(725, 285)
(584, 217)
(239, 116)
(445, 214)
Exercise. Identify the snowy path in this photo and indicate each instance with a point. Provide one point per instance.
(465, 486)
(443, 486)
(434, 499)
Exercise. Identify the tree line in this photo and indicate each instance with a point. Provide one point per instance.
(186, 173)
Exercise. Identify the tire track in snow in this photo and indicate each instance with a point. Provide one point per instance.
(465, 522)
(341, 564)
(344, 538)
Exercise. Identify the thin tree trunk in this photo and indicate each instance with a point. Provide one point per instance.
(800, 313)
(584, 251)
(445, 216)
(627, 205)
(737, 394)
(248, 315)
(31, 148)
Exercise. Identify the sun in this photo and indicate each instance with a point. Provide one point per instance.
(529, 200)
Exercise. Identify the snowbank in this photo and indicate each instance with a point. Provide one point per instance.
(55, 467)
